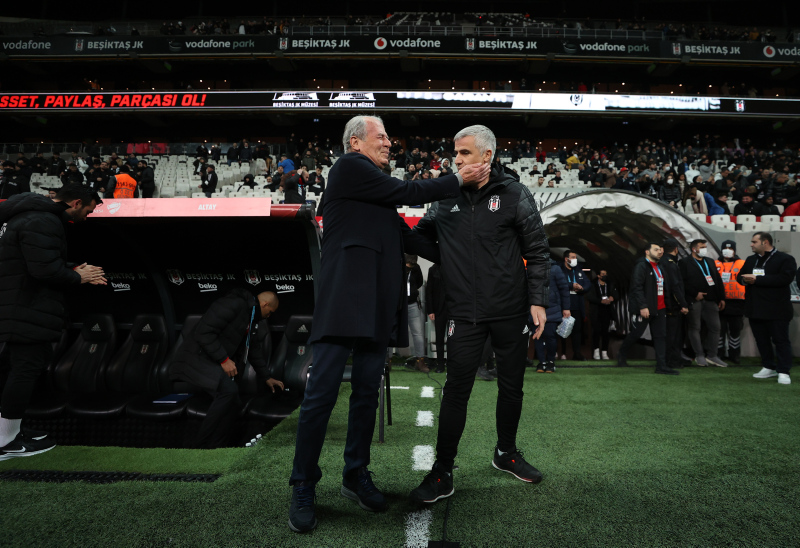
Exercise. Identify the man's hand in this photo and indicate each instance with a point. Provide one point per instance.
(539, 315)
(700, 296)
(748, 278)
(644, 313)
(684, 311)
(229, 367)
(577, 287)
(91, 274)
(475, 173)
(610, 299)
(566, 314)
(721, 306)
(432, 316)
(272, 383)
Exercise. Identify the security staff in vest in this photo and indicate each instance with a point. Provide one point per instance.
(209, 184)
(484, 234)
(146, 179)
(224, 337)
(578, 286)
(677, 306)
(122, 185)
(361, 307)
(650, 289)
(731, 319)
(706, 297)
(766, 276)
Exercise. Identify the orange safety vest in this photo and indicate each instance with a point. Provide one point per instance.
(733, 289)
(125, 187)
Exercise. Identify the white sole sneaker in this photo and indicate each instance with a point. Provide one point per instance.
(783, 378)
(765, 373)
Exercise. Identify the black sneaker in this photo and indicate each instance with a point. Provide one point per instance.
(513, 463)
(667, 371)
(483, 374)
(301, 511)
(23, 446)
(541, 368)
(361, 489)
(31, 434)
(437, 485)
(550, 367)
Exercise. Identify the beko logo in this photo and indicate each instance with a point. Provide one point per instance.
(284, 288)
(120, 286)
(207, 287)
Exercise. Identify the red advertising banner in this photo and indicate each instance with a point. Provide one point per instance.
(192, 207)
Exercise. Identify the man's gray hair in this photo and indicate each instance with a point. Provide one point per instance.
(357, 127)
(484, 138)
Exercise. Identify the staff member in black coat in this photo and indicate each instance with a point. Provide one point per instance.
(210, 353)
(766, 276)
(361, 306)
(437, 312)
(209, 186)
(602, 294)
(34, 274)
(578, 287)
(677, 307)
(483, 235)
(650, 289)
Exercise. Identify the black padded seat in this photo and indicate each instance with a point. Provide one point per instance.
(293, 357)
(131, 372)
(274, 407)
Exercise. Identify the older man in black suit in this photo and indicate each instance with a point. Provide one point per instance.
(361, 306)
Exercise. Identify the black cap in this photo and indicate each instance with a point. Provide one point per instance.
(728, 244)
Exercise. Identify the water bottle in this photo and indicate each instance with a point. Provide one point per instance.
(564, 329)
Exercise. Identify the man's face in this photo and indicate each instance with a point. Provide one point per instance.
(375, 146)
(698, 247)
(747, 199)
(267, 309)
(467, 152)
(655, 252)
(79, 212)
(758, 245)
(411, 168)
(571, 257)
(103, 165)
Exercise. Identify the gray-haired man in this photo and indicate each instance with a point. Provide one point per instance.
(483, 234)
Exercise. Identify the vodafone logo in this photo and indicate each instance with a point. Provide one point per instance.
(381, 43)
(769, 51)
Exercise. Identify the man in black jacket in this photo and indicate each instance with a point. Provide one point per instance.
(677, 307)
(705, 294)
(578, 286)
(650, 290)
(146, 179)
(766, 276)
(210, 353)
(437, 312)
(361, 307)
(11, 183)
(57, 166)
(34, 274)
(483, 234)
(209, 186)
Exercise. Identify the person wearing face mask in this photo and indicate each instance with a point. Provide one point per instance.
(731, 319)
(670, 193)
(705, 294)
(677, 307)
(578, 287)
(602, 295)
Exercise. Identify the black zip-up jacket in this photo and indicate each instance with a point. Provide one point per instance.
(694, 279)
(644, 288)
(483, 235)
(677, 300)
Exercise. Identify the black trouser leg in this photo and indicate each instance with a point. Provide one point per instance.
(674, 338)
(216, 428)
(440, 326)
(577, 333)
(638, 326)
(658, 330)
(767, 332)
(510, 343)
(27, 361)
(735, 325)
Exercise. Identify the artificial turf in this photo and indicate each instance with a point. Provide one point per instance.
(708, 458)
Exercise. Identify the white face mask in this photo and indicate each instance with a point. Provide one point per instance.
(727, 253)
(573, 263)
(670, 181)
(702, 252)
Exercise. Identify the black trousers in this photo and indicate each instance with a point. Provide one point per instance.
(658, 330)
(147, 191)
(730, 327)
(26, 363)
(767, 333)
(601, 321)
(440, 327)
(674, 338)
(465, 351)
(577, 334)
(547, 344)
(216, 428)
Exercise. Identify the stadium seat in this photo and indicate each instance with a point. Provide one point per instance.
(754, 227)
(725, 224)
(791, 219)
(716, 219)
(741, 219)
(698, 217)
(293, 358)
(131, 372)
(781, 227)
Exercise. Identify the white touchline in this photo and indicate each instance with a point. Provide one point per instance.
(427, 392)
(418, 526)
(424, 418)
(423, 457)
(399, 387)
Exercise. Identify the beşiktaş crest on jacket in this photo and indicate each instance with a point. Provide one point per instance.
(483, 235)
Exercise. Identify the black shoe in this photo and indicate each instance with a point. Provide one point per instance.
(513, 463)
(550, 367)
(666, 371)
(437, 485)
(440, 369)
(735, 359)
(301, 511)
(621, 361)
(483, 374)
(22, 446)
(578, 358)
(492, 372)
(541, 368)
(361, 489)
(31, 434)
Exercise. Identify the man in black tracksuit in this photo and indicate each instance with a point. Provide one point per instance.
(437, 311)
(483, 235)
(650, 290)
(677, 307)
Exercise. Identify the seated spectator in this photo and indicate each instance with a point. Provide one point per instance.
(694, 201)
(317, 182)
(412, 174)
(247, 182)
(748, 206)
(72, 176)
(308, 161)
(670, 193)
(292, 185)
(445, 167)
(722, 201)
(769, 206)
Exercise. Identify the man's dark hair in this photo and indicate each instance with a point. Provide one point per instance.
(72, 192)
(764, 237)
(568, 252)
(651, 244)
(694, 243)
(142, 162)
(211, 166)
(125, 168)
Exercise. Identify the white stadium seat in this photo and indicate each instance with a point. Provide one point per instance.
(716, 219)
(698, 217)
(741, 219)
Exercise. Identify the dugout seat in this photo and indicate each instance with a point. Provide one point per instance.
(129, 374)
(264, 404)
(293, 356)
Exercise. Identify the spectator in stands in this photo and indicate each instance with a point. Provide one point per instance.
(308, 162)
(557, 311)
(293, 184)
(670, 193)
(216, 151)
(10, 184)
(286, 164)
(122, 185)
(147, 180)
(649, 291)
(731, 319)
(39, 164)
(233, 153)
(201, 152)
(721, 201)
(248, 181)
(34, 274)
(225, 336)
(627, 180)
(199, 165)
(706, 297)
(316, 182)
(436, 307)
(412, 174)
(602, 294)
(132, 161)
(748, 206)
(766, 276)
(245, 152)
(209, 185)
(99, 178)
(57, 166)
(675, 303)
(445, 168)
(769, 207)
(72, 176)
(578, 287)
(416, 315)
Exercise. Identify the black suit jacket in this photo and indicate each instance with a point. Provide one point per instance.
(362, 290)
(769, 297)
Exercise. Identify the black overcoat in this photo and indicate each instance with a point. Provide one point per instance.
(770, 297)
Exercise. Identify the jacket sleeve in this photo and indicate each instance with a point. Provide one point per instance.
(256, 355)
(783, 277)
(717, 280)
(535, 248)
(367, 183)
(422, 240)
(592, 295)
(563, 288)
(637, 297)
(112, 184)
(678, 289)
(685, 277)
(219, 315)
(40, 244)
